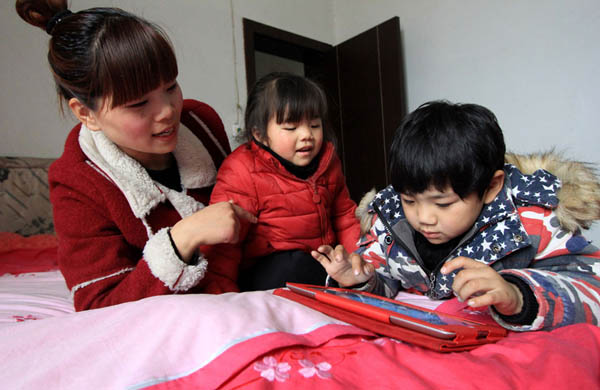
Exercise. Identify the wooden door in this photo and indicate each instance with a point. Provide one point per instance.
(372, 103)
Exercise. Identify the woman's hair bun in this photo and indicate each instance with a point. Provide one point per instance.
(40, 12)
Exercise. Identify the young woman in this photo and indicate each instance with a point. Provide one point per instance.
(129, 190)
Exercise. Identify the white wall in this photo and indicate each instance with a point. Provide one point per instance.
(534, 63)
(201, 31)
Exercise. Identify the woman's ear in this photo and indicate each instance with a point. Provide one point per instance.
(84, 114)
(494, 187)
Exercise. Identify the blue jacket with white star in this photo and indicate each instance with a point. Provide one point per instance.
(517, 234)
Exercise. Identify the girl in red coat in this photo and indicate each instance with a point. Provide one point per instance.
(129, 190)
(289, 176)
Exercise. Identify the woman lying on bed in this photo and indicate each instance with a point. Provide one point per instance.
(129, 190)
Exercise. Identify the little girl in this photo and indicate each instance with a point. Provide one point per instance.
(289, 176)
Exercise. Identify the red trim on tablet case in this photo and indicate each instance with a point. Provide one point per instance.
(466, 337)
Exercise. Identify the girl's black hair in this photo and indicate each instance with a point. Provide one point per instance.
(101, 52)
(444, 144)
(287, 98)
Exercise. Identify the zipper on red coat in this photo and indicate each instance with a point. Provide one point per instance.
(320, 210)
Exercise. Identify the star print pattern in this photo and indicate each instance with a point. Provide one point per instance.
(500, 238)
(500, 216)
(540, 188)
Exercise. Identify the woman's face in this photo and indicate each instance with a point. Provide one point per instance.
(145, 129)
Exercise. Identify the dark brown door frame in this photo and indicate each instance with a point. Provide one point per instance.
(258, 36)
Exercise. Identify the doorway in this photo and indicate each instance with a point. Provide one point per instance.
(363, 78)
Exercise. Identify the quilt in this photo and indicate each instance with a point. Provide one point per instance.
(253, 340)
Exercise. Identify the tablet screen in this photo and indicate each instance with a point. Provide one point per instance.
(370, 312)
(432, 318)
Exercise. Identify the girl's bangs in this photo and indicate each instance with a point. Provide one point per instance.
(299, 102)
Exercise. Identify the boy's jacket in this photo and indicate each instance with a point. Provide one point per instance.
(530, 231)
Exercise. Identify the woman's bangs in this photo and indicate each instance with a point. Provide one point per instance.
(136, 61)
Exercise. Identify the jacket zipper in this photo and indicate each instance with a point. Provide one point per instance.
(397, 239)
(430, 274)
(317, 201)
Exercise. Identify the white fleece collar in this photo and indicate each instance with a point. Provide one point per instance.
(195, 164)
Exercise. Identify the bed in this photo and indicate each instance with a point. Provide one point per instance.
(254, 340)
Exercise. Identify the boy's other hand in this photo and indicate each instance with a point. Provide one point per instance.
(346, 269)
(480, 285)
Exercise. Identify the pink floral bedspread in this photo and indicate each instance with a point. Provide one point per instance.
(247, 341)
(262, 341)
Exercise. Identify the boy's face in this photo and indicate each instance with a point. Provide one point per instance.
(441, 215)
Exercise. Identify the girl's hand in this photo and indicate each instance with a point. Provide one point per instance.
(481, 285)
(218, 223)
(346, 269)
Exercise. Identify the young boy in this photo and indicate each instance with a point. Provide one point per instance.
(459, 221)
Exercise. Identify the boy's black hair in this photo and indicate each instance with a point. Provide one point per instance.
(443, 143)
(288, 98)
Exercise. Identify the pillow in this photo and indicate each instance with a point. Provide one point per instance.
(19, 254)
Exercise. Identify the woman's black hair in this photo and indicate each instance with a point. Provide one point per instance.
(444, 144)
(287, 98)
(101, 53)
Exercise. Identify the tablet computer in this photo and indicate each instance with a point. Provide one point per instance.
(396, 319)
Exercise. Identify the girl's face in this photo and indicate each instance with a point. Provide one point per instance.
(145, 129)
(298, 142)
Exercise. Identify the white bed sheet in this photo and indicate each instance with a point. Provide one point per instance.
(33, 296)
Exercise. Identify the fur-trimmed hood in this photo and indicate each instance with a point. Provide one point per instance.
(579, 197)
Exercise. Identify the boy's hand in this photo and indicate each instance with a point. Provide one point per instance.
(481, 285)
(346, 269)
